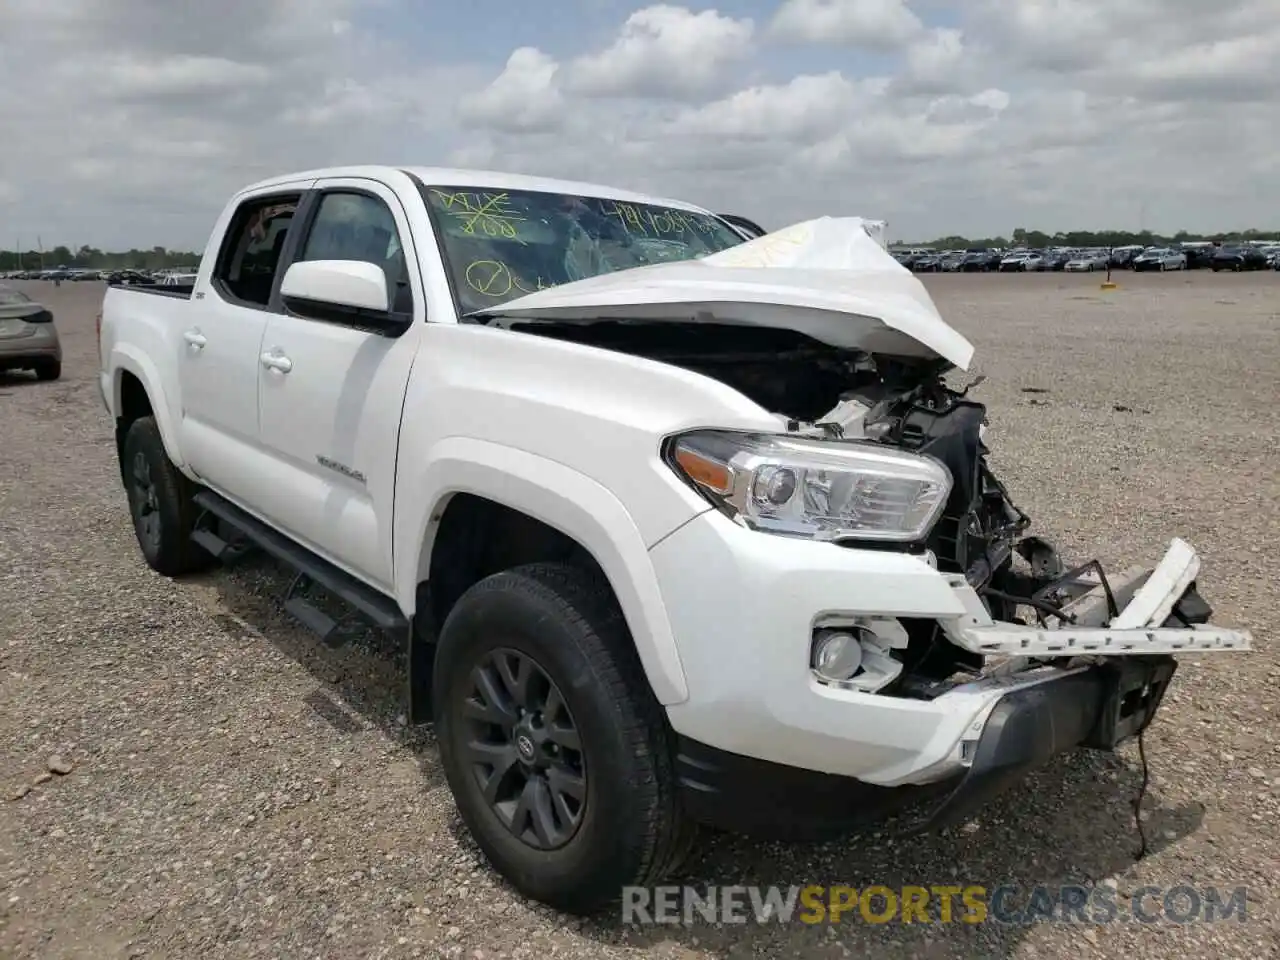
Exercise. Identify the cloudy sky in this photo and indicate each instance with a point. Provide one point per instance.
(128, 122)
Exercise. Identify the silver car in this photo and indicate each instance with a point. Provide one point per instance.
(28, 338)
(1086, 262)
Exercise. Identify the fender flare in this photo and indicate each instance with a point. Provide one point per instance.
(572, 503)
(125, 358)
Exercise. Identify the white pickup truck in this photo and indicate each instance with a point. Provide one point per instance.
(679, 528)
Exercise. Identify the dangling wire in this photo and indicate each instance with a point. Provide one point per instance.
(1142, 792)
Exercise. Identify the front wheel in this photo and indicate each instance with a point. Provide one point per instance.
(551, 740)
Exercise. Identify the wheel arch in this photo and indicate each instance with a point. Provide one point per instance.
(136, 392)
(488, 507)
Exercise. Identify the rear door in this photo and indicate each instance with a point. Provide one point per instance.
(331, 393)
(221, 339)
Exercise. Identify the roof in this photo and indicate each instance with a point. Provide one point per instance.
(480, 179)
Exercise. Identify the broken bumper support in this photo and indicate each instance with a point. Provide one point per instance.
(1150, 599)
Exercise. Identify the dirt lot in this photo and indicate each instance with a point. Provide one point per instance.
(235, 790)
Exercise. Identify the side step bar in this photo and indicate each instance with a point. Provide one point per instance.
(370, 604)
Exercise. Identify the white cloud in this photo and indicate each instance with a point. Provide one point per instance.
(802, 109)
(870, 23)
(934, 59)
(136, 120)
(664, 51)
(524, 97)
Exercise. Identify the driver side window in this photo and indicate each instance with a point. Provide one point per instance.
(357, 226)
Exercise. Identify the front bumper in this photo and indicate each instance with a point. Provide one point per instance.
(743, 608)
(1095, 706)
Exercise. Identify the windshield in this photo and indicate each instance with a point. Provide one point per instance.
(9, 297)
(503, 244)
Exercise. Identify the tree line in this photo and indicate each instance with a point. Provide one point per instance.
(91, 258)
(1037, 239)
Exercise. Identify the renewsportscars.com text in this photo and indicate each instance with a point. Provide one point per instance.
(934, 904)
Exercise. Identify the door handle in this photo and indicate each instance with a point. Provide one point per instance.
(276, 361)
(195, 338)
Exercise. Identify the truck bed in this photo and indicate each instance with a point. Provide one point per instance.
(178, 291)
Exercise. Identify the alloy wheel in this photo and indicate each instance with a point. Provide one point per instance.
(524, 748)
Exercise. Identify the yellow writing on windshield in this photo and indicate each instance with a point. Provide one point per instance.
(482, 214)
(493, 278)
(658, 223)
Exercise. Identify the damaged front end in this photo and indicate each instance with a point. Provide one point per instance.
(1023, 604)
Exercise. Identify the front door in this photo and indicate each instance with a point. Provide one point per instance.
(331, 394)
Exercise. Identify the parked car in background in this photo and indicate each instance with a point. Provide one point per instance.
(1199, 255)
(930, 263)
(1160, 258)
(1025, 261)
(130, 278)
(951, 261)
(1055, 260)
(28, 338)
(976, 261)
(909, 255)
(1122, 257)
(1087, 262)
(1238, 258)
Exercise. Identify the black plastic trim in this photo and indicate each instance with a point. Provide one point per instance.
(1099, 707)
(175, 291)
(739, 794)
(383, 323)
(737, 220)
(441, 251)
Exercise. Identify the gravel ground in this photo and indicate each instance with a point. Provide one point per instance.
(225, 787)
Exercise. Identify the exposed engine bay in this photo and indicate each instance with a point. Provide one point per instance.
(837, 394)
(851, 396)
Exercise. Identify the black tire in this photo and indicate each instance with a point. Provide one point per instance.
(48, 369)
(629, 827)
(160, 503)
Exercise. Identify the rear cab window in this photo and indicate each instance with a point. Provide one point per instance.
(247, 268)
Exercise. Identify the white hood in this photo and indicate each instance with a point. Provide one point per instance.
(826, 278)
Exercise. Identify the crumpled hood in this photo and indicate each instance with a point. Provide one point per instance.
(826, 278)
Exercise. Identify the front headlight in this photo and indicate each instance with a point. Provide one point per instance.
(820, 489)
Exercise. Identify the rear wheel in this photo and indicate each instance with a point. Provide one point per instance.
(160, 503)
(49, 370)
(553, 745)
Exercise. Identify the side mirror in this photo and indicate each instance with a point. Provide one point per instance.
(352, 292)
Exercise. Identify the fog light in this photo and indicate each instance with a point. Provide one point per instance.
(837, 655)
